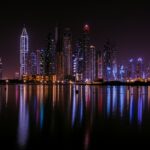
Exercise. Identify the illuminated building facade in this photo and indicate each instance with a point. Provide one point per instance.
(51, 56)
(131, 69)
(32, 67)
(122, 73)
(99, 71)
(1, 69)
(78, 61)
(92, 63)
(82, 56)
(24, 49)
(86, 52)
(140, 68)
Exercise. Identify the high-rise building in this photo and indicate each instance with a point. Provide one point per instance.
(48, 56)
(24, 49)
(139, 68)
(92, 63)
(122, 73)
(131, 69)
(86, 52)
(32, 66)
(59, 54)
(67, 51)
(39, 69)
(109, 61)
(52, 51)
(1, 69)
(99, 71)
(78, 61)
(83, 55)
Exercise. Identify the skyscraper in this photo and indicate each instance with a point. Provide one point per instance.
(39, 62)
(52, 51)
(67, 51)
(49, 56)
(82, 55)
(32, 69)
(24, 49)
(92, 63)
(140, 68)
(109, 61)
(131, 69)
(86, 51)
(99, 69)
(59, 54)
(1, 69)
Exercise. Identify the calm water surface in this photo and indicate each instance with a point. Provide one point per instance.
(59, 117)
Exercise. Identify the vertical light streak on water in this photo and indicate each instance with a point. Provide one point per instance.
(143, 97)
(139, 111)
(81, 104)
(108, 100)
(74, 106)
(140, 108)
(23, 125)
(122, 95)
(114, 100)
(87, 96)
(100, 100)
(128, 98)
(16, 94)
(6, 94)
(41, 107)
(41, 114)
(54, 95)
(92, 102)
(131, 109)
(36, 104)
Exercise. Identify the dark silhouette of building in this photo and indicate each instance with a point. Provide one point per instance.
(67, 52)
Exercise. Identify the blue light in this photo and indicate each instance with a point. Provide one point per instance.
(131, 108)
(131, 60)
(108, 69)
(74, 106)
(108, 100)
(140, 111)
(140, 59)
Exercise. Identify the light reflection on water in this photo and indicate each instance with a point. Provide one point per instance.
(74, 107)
(23, 123)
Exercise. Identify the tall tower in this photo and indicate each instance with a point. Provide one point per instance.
(82, 55)
(24, 48)
(67, 49)
(1, 69)
(109, 61)
(86, 51)
(59, 54)
(32, 64)
(92, 63)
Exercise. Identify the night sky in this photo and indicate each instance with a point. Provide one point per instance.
(128, 24)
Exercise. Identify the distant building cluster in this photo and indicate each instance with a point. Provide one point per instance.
(66, 60)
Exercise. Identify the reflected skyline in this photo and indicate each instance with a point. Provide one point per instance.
(61, 112)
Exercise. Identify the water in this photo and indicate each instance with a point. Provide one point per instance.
(73, 117)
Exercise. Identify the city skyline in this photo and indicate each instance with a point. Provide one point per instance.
(127, 24)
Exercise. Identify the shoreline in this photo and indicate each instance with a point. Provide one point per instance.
(111, 83)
